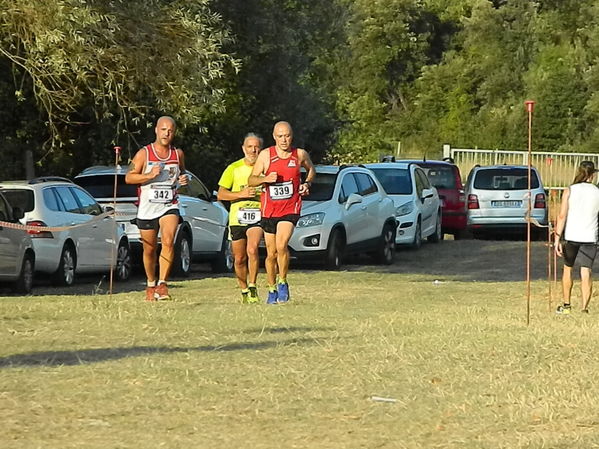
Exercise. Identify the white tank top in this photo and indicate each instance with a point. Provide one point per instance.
(583, 208)
(160, 194)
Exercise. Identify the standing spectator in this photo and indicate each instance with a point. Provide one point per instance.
(577, 224)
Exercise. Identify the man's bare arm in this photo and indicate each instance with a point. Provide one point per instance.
(135, 175)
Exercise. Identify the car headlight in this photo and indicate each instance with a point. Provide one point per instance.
(404, 209)
(311, 220)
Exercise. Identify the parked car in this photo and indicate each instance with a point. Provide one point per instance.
(498, 199)
(445, 177)
(17, 256)
(346, 212)
(202, 234)
(85, 243)
(417, 204)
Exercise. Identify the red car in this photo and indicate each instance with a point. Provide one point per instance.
(445, 176)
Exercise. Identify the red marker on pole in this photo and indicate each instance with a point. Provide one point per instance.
(530, 106)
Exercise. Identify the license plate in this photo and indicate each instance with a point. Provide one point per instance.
(506, 203)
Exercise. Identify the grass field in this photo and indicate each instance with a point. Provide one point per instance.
(456, 357)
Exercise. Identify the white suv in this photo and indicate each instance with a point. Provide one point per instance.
(417, 203)
(202, 234)
(17, 257)
(84, 241)
(347, 211)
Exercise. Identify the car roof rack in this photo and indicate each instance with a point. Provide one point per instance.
(388, 158)
(41, 179)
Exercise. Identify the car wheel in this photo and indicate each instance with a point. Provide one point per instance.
(417, 242)
(182, 262)
(65, 274)
(224, 260)
(458, 235)
(436, 236)
(386, 251)
(122, 270)
(24, 283)
(335, 249)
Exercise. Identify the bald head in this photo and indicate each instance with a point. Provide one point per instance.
(165, 131)
(283, 135)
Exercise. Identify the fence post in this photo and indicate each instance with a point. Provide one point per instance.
(446, 150)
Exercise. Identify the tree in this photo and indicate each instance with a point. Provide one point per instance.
(85, 62)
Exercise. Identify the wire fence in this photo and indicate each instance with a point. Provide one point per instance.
(557, 170)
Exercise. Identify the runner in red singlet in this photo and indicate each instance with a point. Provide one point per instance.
(278, 169)
(157, 168)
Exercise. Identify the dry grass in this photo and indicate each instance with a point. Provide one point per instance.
(206, 372)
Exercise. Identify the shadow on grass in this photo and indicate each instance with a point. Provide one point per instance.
(282, 330)
(79, 357)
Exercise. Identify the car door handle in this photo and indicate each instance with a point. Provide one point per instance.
(184, 206)
(363, 207)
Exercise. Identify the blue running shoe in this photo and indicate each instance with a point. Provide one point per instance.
(272, 297)
(283, 292)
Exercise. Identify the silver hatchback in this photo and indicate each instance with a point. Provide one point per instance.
(498, 199)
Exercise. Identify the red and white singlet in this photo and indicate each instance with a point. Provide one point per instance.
(282, 197)
(160, 194)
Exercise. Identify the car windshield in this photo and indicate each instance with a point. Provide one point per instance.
(322, 187)
(102, 186)
(442, 177)
(505, 179)
(22, 198)
(395, 181)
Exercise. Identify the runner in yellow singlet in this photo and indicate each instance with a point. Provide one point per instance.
(244, 217)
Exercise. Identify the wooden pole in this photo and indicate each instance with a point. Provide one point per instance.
(529, 108)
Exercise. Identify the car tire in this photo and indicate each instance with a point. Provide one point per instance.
(65, 274)
(386, 252)
(223, 263)
(417, 242)
(436, 236)
(24, 283)
(122, 270)
(183, 254)
(458, 235)
(335, 250)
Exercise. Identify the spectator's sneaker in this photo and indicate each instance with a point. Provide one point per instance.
(253, 297)
(150, 293)
(283, 290)
(564, 309)
(162, 293)
(272, 297)
(245, 297)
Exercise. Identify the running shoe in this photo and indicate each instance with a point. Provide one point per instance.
(162, 293)
(253, 297)
(150, 293)
(272, 297)
(585, 310)
(283, 290)
(245, 297)
(564, 309)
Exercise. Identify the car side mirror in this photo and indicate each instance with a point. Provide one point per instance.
(427, 193)
(352, 199)
(108, 209)
(17, 213)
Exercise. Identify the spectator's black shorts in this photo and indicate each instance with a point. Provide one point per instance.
(240, 232)
(154, 223)
(270, 224)
(586, 251)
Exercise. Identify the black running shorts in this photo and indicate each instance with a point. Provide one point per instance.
(586, 253)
